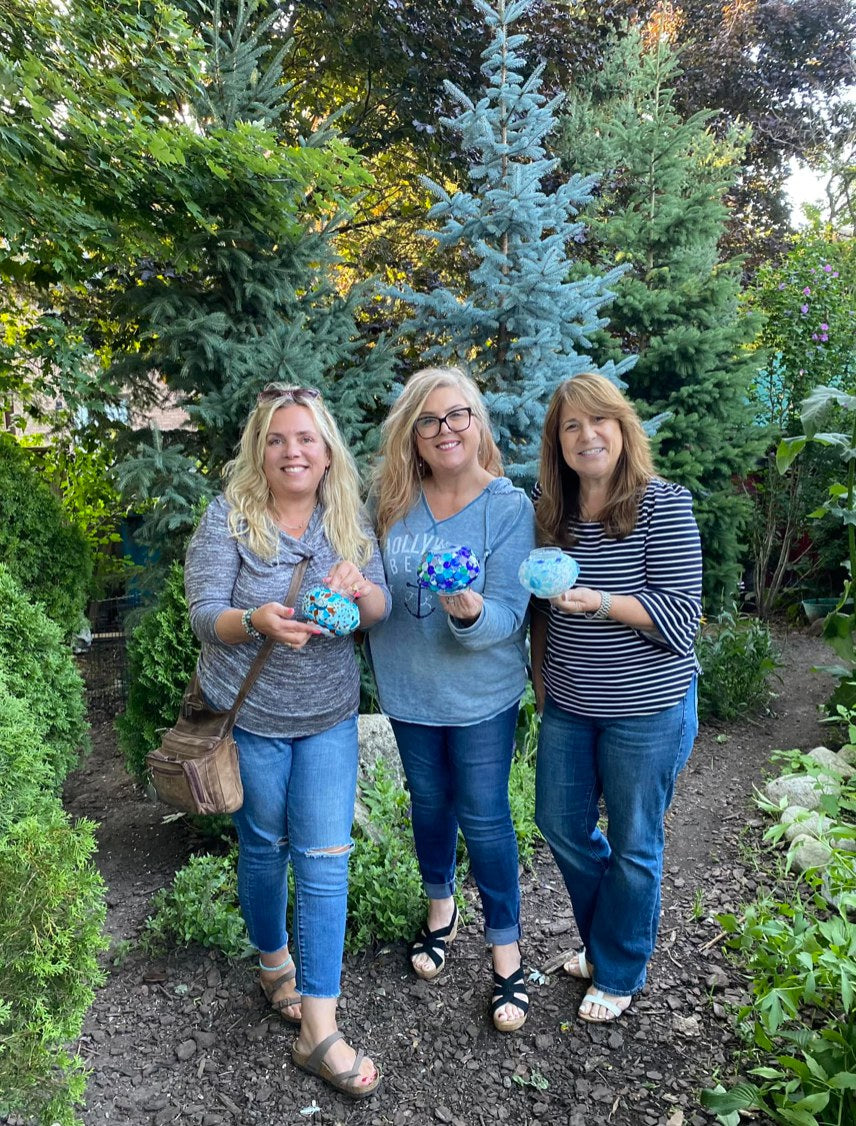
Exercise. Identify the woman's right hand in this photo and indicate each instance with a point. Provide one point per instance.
(277, 621)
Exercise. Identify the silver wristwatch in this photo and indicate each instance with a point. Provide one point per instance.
(603, 610)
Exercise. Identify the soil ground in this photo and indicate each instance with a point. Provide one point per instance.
(187, 1038)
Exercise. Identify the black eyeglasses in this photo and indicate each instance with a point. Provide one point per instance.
(458, 420)
(277, 391)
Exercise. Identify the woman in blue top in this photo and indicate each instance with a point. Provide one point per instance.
(451, 670)
(615, 674)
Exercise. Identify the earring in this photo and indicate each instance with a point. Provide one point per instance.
(420, 466)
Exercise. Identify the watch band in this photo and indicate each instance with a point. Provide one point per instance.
(602, 611)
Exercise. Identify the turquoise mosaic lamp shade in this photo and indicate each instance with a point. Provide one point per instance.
(333, 612)
(548, 571)
(448, 570)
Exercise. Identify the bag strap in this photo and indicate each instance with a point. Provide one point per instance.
(265, 651)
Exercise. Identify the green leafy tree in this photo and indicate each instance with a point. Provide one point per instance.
(518, 323)
(259, 297)
(661, 211)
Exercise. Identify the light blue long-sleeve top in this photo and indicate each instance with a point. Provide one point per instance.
(429, 668)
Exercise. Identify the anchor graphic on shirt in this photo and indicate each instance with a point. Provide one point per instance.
(408, 601)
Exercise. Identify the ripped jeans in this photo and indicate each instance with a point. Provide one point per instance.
(298, 806)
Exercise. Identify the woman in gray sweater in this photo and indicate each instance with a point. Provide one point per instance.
(292, 493)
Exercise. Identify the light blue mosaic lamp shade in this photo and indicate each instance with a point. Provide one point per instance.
(548, 571)
(333, 612)
(448, 570)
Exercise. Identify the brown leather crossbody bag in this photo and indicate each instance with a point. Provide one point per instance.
(196, 766)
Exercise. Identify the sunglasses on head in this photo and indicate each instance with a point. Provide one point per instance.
(275, 391)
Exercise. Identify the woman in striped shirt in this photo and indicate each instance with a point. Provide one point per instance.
(614, 671)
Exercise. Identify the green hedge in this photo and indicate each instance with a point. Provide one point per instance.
(161, 659)
(39, 669)
(51, 896)
(47, 555)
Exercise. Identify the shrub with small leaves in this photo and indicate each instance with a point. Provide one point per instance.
(161, 658)
(385, 899)
(738, 658)
(200, 906)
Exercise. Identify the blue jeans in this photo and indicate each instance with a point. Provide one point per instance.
(298, 803)
(458, 776)
(614, 884)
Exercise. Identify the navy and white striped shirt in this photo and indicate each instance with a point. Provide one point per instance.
(606, 668)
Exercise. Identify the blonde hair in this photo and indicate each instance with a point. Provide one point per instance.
(559, 499)
(249, 495)
(398, 473)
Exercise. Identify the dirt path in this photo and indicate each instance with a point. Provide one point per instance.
(188, 1040)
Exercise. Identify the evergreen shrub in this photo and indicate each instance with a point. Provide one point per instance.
(738, 659)
(47, 555)
(161, 658)
(49, 891)
(39, 670)
(51, 896)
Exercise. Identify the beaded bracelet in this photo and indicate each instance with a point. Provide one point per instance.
(247, 623)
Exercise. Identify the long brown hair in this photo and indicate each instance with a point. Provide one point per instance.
(397, 478)
(559, 486)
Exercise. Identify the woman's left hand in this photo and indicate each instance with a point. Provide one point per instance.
(466, 606)
(348, 579)
(577, 600)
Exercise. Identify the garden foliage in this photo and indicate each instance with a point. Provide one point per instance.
(809, 320)
(738, 659)
(799, 951)
(162, 656)
(47, 554)
(51, 897)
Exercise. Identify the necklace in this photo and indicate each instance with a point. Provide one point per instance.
(294, 527)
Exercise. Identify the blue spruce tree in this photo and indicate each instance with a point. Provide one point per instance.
(518, 324)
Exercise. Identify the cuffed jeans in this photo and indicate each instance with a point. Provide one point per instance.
(298, 805)
(458, 776)
(614, 884)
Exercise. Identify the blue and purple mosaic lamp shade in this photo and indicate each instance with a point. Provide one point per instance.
(448, 570)
(333, 612)
(548, 571)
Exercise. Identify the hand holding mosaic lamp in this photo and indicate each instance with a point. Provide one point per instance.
(448, 570)
(547, 572)
(331, 611)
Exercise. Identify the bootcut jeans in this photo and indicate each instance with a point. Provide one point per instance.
(458, 776)
(298, 805)
(614, 883)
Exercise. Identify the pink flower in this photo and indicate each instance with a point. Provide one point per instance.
(807, 291)
(824, 337)
(824, 328)
(827, 269)
(803, 309)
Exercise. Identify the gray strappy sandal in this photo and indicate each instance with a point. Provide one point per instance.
(344, 1081)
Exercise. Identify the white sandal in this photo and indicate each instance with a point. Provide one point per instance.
(580, 966)
(598, 997)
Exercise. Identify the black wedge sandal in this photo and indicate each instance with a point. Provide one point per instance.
(433, 943)
(509, 990)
